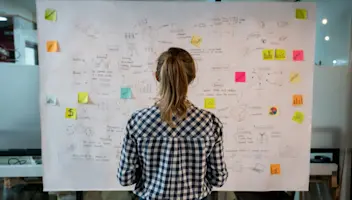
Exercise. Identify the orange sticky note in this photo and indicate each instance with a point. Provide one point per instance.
(52, 46)
(275, 169)
(297, 100)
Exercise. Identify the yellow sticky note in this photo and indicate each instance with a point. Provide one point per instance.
(297, 100)
(83, 97)
(280, 54)
(209, 103)
(196, 41)
(275, 169)
(268, 54)
(52, 46)
(71, 113)
(295, 77)
(298, 117)
(301, 14)
(50, 14)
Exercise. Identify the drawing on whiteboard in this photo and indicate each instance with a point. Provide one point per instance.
(70, 129)
(122, 52)
(130, 36)
(262, 138)
(261, 78)
(282, 24)
(258, 167)
(261, 24)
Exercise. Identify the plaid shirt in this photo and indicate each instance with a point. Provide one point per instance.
(173, 163)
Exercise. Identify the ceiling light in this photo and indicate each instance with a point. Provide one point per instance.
(334, 62)
(3, 19)
(327, 38)
(324, 21)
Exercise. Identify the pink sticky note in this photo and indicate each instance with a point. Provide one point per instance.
(240, 77)
(298, 55)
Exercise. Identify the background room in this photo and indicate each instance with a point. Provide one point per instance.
(20, 132)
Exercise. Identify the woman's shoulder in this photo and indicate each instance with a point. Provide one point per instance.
(148, 112)
(206, 115)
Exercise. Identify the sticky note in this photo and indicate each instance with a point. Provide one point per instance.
(52, 46)
(240, 77)
(196, 41)
(83, 97)
(268, 54)
(295, 77)
(273, 111)
(298, 55)
(297, 100)
(298, 117)
(275, 169)
(209, 103)
(126, 93)
(280, 54)
(50, 14)
(51, 100)
(301, 14)
(71, 113)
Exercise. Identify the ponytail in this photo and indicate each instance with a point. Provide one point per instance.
(175, 71)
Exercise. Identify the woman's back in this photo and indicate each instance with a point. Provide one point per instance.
(176, 163)
(173, 150)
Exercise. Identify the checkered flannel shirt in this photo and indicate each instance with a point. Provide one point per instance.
(182, 163)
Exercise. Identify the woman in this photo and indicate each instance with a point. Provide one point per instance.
(173, 150)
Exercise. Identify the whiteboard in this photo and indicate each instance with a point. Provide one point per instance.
(104, 46)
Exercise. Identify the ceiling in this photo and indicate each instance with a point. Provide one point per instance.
(29, 4)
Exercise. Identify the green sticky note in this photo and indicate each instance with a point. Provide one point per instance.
(126, 93)
(50, 14)
(301, 14)
(298, 117)
(268, 54)
(83, 97)
(209, 103)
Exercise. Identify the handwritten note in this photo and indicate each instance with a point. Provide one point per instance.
(273, 111)
(268, 54)
(52, 46)
(196, 41)
(297, 100)
(301, 14)
(126, 93)
(209, 103)
(275, 169)
(50, 14)
(71, 113)
(83, 97)
(295, 77)
(298, 117)
(240, 77)
(280, 54)
(51, 100)
(298, 55)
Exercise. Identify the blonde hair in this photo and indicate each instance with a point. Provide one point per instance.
(175, 71)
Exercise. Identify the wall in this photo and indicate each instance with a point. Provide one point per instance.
(19, 107)
(338, 13)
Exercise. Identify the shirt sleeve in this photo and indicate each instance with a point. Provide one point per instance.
(129, 164)
(216, 168)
